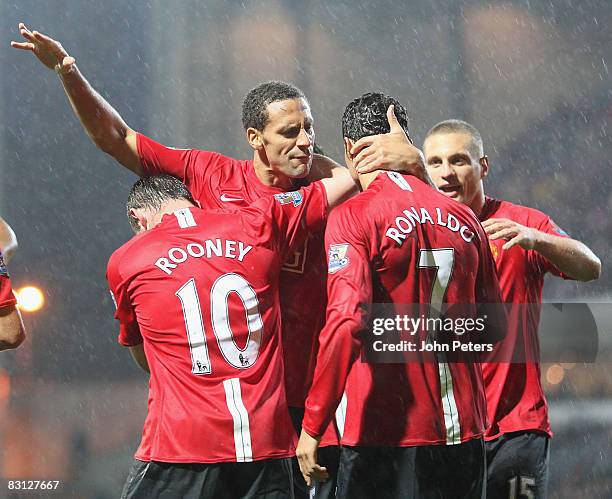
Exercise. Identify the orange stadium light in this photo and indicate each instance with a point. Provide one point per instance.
(30, 299)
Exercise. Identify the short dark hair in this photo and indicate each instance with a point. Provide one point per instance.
(254, 106)
(459, 126)
(367, 115)
(151, 192)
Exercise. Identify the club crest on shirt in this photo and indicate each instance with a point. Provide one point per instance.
(494, 250)
(337, 257)
(294, 197)
(3, 269)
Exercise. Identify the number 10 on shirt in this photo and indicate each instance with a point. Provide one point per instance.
(239, 358)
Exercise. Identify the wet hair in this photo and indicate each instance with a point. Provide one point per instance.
(255, 104)
(151, 192)
(460, 126)
(367, 115)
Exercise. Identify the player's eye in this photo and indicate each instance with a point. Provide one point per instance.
(459, 161)
(291, 132)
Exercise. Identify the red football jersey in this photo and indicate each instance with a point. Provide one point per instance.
(400, 242)
(7, 297)
(515, 399)
(217, 181)
(201, 289)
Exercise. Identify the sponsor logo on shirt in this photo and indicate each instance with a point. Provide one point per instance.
(337, 257)
(294, 197)
(3, 269)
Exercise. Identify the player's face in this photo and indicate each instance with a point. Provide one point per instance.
(288, 137)
(454, 168)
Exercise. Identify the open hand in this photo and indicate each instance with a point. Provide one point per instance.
(390, 151)
(48, 51)
(514, 233)
(306, 453)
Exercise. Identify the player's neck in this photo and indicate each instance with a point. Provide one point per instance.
(478, 203)
(267, 176)
(366, 179)
(168, 208)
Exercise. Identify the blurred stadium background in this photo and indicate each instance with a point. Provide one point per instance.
(533, 75)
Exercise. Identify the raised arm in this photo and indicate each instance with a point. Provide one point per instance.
(8, 241)
(101, 121)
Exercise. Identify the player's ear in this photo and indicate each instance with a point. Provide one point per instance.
(139, 216)
(255, 138)
(484, 166)
(348, 144)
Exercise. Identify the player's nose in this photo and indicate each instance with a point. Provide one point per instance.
(304, 140)
(446, 170)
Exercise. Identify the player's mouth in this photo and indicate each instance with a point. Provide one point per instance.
(450, 190)
(302, 159)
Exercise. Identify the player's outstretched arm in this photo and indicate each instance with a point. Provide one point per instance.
(8, 241)
(12, 330)
(101, 121)
(339, 187)
(574, 258)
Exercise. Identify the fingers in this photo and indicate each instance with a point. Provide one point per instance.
(513, 242)
(394, 125)
(491, 228)
(370, 164)
(319, 473)
(363, 154)
(22, 45)
(504, 234)
(26, 33)
(361, 143)
(491, 221)
(44, 38)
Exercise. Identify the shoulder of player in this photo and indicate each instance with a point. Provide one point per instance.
(126, 250)
(347, 219)
(218, 161)
(522, 214)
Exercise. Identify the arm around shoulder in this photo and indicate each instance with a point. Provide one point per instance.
(340, 187)
(8, 241)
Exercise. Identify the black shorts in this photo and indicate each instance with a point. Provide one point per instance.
(268, 478)
(517, 465)
(423, 472)
(328, 457)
